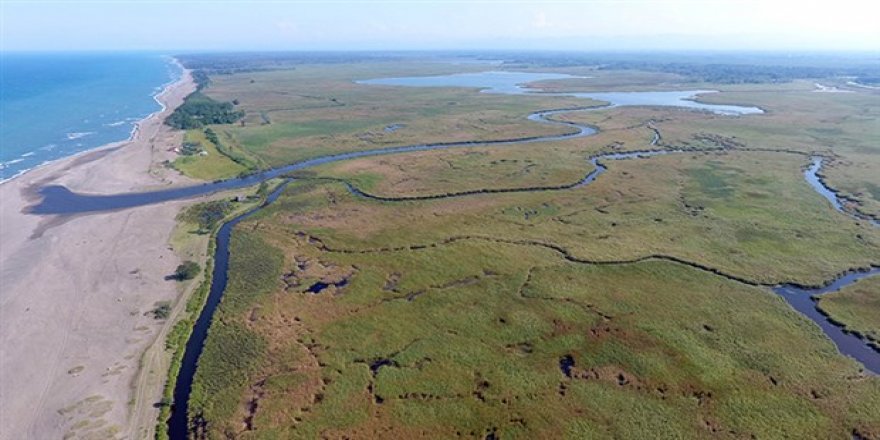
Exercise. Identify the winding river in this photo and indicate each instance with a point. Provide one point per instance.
(61, 201)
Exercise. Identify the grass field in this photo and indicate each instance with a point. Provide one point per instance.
(466, 338)
(748, 214)
(575, 313)
(519, 166)
(212, 166)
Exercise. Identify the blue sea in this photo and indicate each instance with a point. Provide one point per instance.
(53, 105)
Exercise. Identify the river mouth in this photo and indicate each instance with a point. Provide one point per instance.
(59, 200)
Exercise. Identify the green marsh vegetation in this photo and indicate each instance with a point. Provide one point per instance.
(450, 317)
(749, 214)
(234, 351)
(318, 109)
(470, 335)
(473, 330)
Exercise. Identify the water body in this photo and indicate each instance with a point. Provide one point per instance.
(566, 363)
(320, 286)
(802, 300)
(516, 83)
(53, 105)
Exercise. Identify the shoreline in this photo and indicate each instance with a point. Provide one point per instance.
(161, 90)
(74, 311)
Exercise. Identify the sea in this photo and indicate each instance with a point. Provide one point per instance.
(53, 105)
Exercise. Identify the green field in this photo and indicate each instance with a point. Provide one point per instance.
(214, 165)
(453, 317)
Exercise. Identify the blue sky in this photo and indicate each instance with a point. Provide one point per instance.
(449, 24)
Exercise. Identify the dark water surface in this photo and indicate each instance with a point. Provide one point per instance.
(801, 299)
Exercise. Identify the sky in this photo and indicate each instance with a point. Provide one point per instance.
(440, 24)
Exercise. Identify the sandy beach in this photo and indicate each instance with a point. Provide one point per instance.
(75, 292)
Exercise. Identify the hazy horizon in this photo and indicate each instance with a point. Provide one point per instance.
(675, 25)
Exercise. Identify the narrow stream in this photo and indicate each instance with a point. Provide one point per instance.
(803, 299)
(178, 423)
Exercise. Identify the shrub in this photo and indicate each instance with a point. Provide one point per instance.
(208, 214)
(162, 310)
(191, 148)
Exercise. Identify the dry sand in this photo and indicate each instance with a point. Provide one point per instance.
(73, 328)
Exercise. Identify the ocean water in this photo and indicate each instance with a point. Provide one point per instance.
(53, 105)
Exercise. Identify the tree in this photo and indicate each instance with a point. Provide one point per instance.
(187, 271)
(199, 110)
